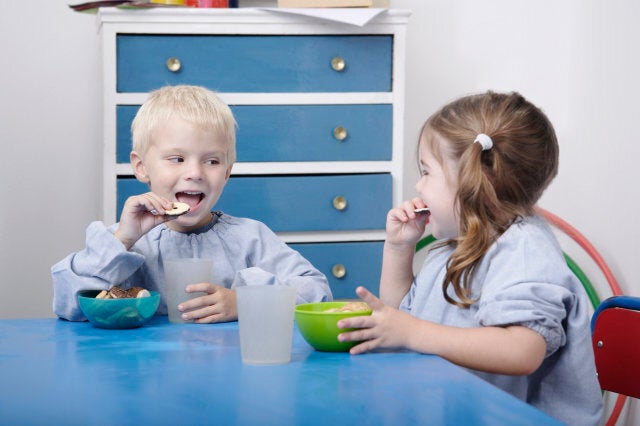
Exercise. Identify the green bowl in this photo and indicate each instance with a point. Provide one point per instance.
(117, 313)
(319, 328)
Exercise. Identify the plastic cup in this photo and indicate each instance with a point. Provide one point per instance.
(265, 320)
(178, 273)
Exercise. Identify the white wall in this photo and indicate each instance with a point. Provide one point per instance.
(576, 59)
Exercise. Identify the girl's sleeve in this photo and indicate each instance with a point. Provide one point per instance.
(534, 293)
(104, 262)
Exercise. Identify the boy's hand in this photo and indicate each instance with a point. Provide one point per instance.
(404, 226)
(140, 214)
(218, 305)
(386, 327)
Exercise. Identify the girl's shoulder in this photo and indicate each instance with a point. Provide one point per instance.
(530, 233)
(527, 252)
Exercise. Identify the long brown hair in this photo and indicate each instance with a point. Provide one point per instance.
(497, 186)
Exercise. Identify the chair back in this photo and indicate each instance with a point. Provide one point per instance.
(615, 330)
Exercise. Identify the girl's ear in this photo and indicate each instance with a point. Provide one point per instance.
(138, 168)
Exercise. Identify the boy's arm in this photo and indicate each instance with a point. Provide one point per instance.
(277, 263)
(104, 262)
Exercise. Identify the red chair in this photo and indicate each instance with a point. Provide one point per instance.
(615, 329)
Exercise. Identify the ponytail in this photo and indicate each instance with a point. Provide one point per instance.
(498, 184)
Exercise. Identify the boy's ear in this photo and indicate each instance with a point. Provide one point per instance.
(138, 168)
(228, 173)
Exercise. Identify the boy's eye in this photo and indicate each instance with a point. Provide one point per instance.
(176, 159)
(212, 161)
(423, 172)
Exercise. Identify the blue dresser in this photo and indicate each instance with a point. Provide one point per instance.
(319, 106)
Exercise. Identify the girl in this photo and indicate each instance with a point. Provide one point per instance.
(494, 294)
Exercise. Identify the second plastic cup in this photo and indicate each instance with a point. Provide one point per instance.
(178, 273)
(265, 320)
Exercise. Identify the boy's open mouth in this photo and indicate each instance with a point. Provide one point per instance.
(190, 198)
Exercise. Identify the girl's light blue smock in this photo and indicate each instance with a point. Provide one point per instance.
(524, 280)
(244, 251)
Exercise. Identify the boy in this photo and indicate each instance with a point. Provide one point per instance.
(184, 149)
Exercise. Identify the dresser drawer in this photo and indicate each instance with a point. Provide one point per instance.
(299, 203)
(346, 265)
(296, 133)
(232, 63)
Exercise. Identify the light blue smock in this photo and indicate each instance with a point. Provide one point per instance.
(524, 280)
(244, 252)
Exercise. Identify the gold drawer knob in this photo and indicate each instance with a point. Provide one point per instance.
(338, 64)
(173, 64)
(340, 203)
(339, 270)
(340, 133)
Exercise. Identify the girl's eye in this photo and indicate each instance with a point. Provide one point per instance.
(423, 172)
(176, 159)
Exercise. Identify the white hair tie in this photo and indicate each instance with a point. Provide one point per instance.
(484, 141)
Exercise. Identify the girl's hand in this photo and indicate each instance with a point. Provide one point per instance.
(218, 305)
(404, 227)
(386, 327)
(140, 214)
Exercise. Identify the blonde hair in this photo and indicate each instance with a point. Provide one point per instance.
(196, 105)
(497, 186)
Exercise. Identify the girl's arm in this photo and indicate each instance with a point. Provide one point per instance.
(397, 274)
(404, 229)
(513, 350)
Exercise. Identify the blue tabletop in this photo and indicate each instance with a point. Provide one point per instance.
(58, 372)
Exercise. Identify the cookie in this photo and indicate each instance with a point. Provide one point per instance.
(104, 294)
(118, 293)
(351, 307)
(178, 209)
(424, 210)
(143, 293)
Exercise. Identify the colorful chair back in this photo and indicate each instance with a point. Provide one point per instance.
(615, 328)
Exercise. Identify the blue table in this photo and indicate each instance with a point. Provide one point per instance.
(63, 373)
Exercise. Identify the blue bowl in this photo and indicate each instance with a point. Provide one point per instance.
(117, 313)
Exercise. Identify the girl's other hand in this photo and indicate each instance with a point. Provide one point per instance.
(404, 226)
(386, 327)
(140, 214)
(218, 305)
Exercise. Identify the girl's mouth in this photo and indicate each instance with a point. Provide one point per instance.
(192, 198)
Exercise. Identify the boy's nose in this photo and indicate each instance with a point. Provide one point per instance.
(194, 170)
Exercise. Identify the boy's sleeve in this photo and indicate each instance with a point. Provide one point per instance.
(104, 262)
(275, 263)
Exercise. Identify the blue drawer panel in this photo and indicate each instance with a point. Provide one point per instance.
(362, 262)
(296, 133)
(124, 117)
(299, 203)
(305, 133)
(255, 63)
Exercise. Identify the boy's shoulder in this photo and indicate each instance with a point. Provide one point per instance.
(229, 223)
